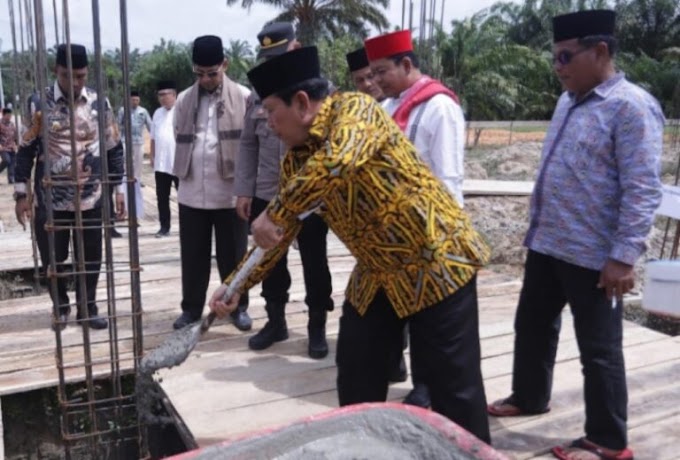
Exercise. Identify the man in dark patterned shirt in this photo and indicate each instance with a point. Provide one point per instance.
(64, 184)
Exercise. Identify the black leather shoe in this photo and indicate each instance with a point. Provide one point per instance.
(162, 233)
(97, 322)
(184, 320)
(419, 396)
(241, 319)
(115, 233)
(60, 322)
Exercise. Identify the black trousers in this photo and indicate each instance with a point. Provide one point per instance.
(92, 245)
(195, 238)
(549, 284)
(445, 340)
(313, 252)
(8, 161)
(164, 183)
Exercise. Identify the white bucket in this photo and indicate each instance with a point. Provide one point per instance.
(662, 287)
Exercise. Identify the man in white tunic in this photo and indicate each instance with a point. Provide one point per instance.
(208, 122)
(426, 111)
(431, 117)
(163, 151)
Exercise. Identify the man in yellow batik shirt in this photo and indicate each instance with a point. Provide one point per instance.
(417, 253)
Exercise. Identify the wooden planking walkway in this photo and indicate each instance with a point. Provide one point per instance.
(225, 390)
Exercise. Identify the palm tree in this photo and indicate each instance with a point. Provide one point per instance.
(327, 18)
(530, 23)
(648, 26)
(240, 56)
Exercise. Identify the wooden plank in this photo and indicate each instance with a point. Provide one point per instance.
(250, 390)
(657, 439)
(497, 187)
(536, 435)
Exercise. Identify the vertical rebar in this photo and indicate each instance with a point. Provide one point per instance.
(106, 210)
(77, 234)
(51, 272)
(18, 93)
(137, 325)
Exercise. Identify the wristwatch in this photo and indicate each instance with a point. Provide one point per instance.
(19, 196)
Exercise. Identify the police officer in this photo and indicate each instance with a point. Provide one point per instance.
(257, 179)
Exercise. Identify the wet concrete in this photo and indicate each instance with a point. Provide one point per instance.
(172, 352)
(373, 434)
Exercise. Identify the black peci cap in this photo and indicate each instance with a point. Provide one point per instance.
(166, 84)
(583, 24)
(357, 59)
(282, 72)
(78, 56)
(207, 51)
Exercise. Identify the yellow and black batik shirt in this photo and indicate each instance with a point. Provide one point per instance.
(406, 231)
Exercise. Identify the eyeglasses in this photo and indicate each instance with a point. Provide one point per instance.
(564, 57)
(210, 74)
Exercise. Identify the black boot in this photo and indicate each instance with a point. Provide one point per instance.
(275, 330)
(419, 396)
(316, 328)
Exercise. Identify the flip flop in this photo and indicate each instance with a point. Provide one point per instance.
(508, 408)
(583, 445)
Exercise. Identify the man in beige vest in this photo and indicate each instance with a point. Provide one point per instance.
(208, 121)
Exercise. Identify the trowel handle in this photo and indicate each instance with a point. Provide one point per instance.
(240, 277)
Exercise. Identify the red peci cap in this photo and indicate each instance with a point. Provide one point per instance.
(388, 45)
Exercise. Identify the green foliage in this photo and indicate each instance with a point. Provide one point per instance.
(241, 59)
(167, 61)
(317, 19)
(333, 62)
(498, 60)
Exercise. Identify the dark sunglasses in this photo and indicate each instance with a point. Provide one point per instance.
(564, 57)
(211, 74)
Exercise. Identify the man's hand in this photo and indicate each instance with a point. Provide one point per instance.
(120, 206)
(243, 204)
(219, 306)
(265, 232)
(616, 278)
(22, 209)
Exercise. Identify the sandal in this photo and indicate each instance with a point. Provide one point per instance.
(582, 445)
(508, 408)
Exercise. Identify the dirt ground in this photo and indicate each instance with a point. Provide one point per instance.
(504, 220)
(497, 137)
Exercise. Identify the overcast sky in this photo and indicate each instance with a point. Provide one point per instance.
(183, 20)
